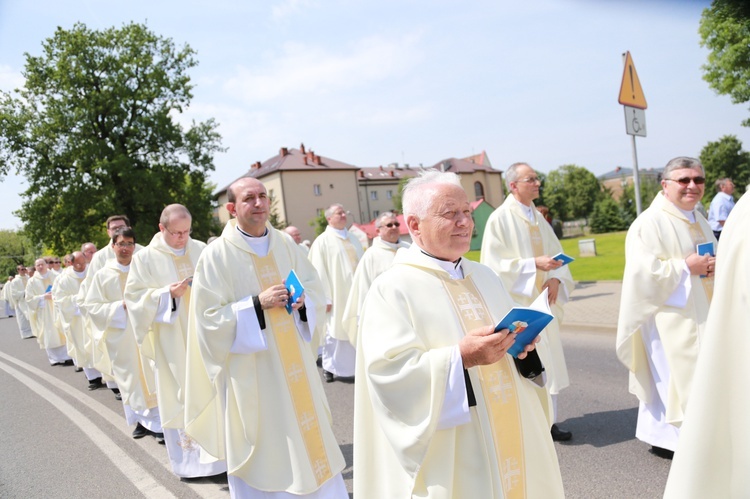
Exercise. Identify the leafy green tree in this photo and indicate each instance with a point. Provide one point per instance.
(95, 132)
(273, 215)
(571, 191)
(608, 216)
(540, 201)
(725, 32)
(725, 158)
(319, 223)
(398, 206)
(649, 187)
(15, 249)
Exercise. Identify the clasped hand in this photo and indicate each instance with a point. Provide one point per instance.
(278, 296)
(483, 346)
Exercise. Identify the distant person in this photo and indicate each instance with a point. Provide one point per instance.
(721, 205)
(519, 245)
(440, 409)
(713, 455)
(8, 302)
(17, 293)
(666, 293)
(376, 260)
(42, 314)
(297, 236)
(64, 294)
(335, 255)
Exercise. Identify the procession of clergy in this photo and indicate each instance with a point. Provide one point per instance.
(210, 354)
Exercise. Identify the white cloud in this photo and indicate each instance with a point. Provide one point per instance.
(10, 79)
(300, 70)
(288, 8)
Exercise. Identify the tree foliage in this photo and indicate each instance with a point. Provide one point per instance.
(319, 223)
(571, 192)
(725, 31)
(649, 187)
(273, 215)
(95, 132)
(398, 198)
(725, 158)
(609, 216)
(15, 249)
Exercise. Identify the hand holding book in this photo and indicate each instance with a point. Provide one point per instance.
(526, 322)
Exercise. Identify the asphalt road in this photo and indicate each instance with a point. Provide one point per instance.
(60, 440)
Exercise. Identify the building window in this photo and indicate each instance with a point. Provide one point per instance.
(316, 189)
(375, 213)
(389, 194)
(478, 191)
(374, 195)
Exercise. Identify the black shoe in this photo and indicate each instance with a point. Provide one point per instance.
(118, 395)
(328, 376)
(68, 362)
(78, 369)
(160, 441)
(559, 435)
(95, 384)
(319, 361)
(140, 431)
(661, 452)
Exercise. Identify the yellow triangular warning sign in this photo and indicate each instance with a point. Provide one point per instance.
(631, 93)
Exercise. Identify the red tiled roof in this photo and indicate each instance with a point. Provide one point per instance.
(372, 232)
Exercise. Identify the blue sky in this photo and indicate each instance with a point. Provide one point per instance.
(412, 81)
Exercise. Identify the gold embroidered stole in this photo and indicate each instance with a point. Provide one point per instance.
(498, 391)
(537, 246)
(47, 281)
(184, 267)
(150, 398)
(698, 237)
(290, 354)
(351, 253)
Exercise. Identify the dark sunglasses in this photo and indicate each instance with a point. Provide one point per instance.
(392, 224)
(686, 180)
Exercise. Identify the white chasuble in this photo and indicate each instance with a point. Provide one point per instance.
(713, 455)
(509, 239)
(64, 294)
(42, 311)
(657, 292)
(264, 409)
(159, 330)
(131, 371)
(412, 318)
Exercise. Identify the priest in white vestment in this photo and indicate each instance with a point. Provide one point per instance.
(17, 297)
(64, 293)
(440, 409)
(666, 292)
(253, 393)
(519, 244)
(98, 367)
(9, 312)
(335, 255)
(132, 371)
(376, 260)
(713, 454)
(157, 295)
(296, 235)
(42, 314)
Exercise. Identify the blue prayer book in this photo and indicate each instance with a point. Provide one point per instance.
(528, 322)
(295, 288)
(705, 249)
(565, 259)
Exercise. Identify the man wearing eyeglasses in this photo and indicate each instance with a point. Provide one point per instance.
(42, 315)
(519, 244)
(721, 205)
(108, 312)
(17, 292)
(377, 259)
(440, 409)
(666, 292)
(100, 367)
(157, 295)
(335, 255)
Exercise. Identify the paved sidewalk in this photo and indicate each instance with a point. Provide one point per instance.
(593, 305)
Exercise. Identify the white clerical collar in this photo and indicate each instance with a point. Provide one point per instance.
(454, 269)
(43, 276)
(690, 215)
(178, 252)
(390, 245)
(259, 244)
(342, 233)
(527, 210)
(80, 275)
(123, 268)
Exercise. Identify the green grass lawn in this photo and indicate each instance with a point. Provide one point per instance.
(607, 265)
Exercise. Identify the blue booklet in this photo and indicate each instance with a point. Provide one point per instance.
(295, 289)
(565, 259)
(49, 288)
(705, 249)
(528, 322)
